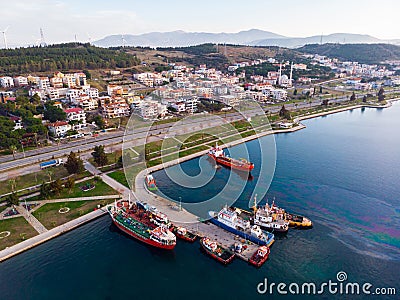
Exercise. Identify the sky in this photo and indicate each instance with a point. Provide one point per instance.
(90, 20)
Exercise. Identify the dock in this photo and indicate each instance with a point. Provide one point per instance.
(191, 221)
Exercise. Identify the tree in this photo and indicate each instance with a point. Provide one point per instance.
(35, 99)
(56, 186)
(70, 183)
(99, 121)
(49, 174)
(12, 199)
(74, 164)
(284, 113)
(88, 75)
(13, 149)
(353, 97)
(12, 183)
(381, 94)
(100, 156)
(364, 99)
(45, 190)
(53, 113)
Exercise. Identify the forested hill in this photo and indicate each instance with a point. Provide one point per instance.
(62, 57)
(363, 53)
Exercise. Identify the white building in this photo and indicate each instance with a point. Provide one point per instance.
(20, 81)
(6, 82)
(74, 93)
(191, 104)
(150, 109)
(17, 121)
(76, 114)
(53, 93)
(59, 128)
(92, 92)
(44, 83)
(179, 106)
(115, 110)
(230, 100)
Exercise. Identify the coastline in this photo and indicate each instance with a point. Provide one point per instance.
(51, 234)
(145, 193)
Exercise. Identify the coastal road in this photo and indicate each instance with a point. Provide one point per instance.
(139, 137)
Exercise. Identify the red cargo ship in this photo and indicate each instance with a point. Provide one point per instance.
(238, 164)
(136, 224)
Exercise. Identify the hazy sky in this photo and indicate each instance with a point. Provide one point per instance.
(62, 19)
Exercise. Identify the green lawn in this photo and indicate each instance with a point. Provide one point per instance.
(2, 208)
(129, 172)
(32, 179)
(112, 157)
(100, 189)
(119, 176)
(50, 217)
(20, 230)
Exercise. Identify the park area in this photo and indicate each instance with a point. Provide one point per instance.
(55, 214)
(14, 231)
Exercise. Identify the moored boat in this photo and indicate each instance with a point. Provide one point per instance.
(136, 226)
(260, 256)
(238, 164)
(184, 234)
(229, 220)
(299, 221)
(216, 251)
(151, 182)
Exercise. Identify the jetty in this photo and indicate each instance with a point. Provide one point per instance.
(181, 217)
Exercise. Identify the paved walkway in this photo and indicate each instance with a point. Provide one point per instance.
(31, 219)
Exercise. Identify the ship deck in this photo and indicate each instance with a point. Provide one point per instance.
(134, 226)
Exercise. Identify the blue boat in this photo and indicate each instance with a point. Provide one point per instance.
(230, 220)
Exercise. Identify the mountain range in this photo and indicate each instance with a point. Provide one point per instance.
(252, 37)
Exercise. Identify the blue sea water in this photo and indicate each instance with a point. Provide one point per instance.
(342, 171)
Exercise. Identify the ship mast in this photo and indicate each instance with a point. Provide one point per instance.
(255, 204)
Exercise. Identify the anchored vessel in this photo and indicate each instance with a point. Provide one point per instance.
(271, 218)
(260, 256)
(151, 183)
(184, 234)
(238, 164)
(136, 225)
(216, 251)
(229, 220)
(299, 221)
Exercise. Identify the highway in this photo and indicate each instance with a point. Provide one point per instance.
(145, 134)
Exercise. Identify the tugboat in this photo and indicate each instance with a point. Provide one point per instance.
(260, 256)
(270, 218)
(238, 164)
(151, 182)
(299, 221)
(229, 220)
(216, 251)
(184, 234)
(131, 223)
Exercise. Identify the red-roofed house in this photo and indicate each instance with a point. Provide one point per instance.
(59, 128)
(76, 115)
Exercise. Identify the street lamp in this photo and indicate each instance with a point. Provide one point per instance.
(23, 150)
